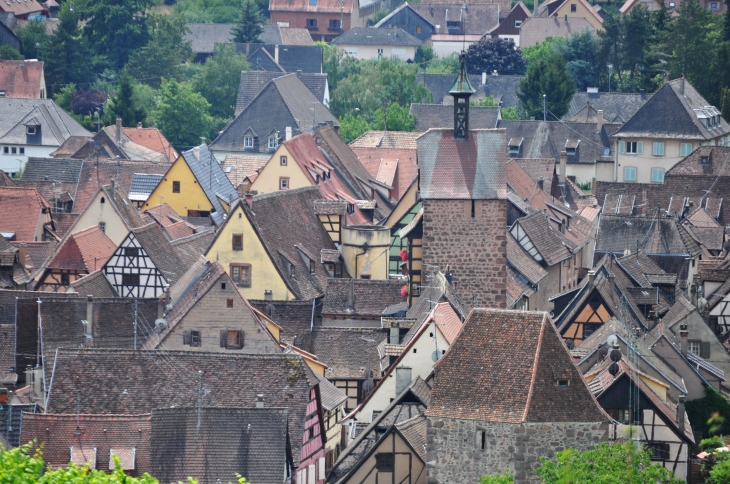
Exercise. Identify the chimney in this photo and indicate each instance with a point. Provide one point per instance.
(260, 397)
(22, 255)
(249, 200)
(89, 316)
(642, 92)
(563, 167)
(276, 53)
(139, 125)
(684, 338)
(680, 413)
(484, 78)
(29, 375)
(600, 120)
(288, 133)
(160, 308)
(394, 335)
(351, 297)
(681, 84)
(38, 381)
(537, 4)
(112, 190)
(22, 61)
(541, 184)
(119, 130)
(612, 286)
(591, 278)
(167, 296)
(196, 153)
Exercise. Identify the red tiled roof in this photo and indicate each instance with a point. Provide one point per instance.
(504, 367)
(21, 8)
(57, 433)
(21, 80)
(170, 221)
(392, 166)
(87, 250)
(321, 6)
(20, 211)
(153, 139)
(387, 139)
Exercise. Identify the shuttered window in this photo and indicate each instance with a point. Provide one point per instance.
(685, 149)
(237, 242)
(658, 148)
(231, 339)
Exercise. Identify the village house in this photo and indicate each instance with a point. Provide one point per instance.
(307, 58)
(570, 9)
(325, 19)
(13, 271)
(509, 28)
(252, 82)
(535, 30)
(364, 43)
(617, 107)
(360, 303)
(22, 79)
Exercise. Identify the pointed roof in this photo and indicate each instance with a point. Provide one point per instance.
(475, 379)
(88, 250)
(95, 284)
(158, 248)
(462, 86)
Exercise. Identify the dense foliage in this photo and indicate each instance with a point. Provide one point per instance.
(548, 76)
(495, 54)
(700, 412)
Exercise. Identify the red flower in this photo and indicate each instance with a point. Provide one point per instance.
(404, 290)
(403, 255)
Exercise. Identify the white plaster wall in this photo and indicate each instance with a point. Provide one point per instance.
(583, 172)
(102, 212)
(11, 163)
(515, 38)
(365, 52)
(442, 48)
(420, 363)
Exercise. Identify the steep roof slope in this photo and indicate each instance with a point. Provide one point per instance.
(56, 126)
(21, 78)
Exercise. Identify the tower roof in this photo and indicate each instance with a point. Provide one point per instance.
(462, 84)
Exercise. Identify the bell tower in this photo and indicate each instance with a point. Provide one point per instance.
(461, 91)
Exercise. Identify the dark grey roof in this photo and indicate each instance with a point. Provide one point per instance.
(212, 180)
(271, 34)
(290, 58)
(50, 169)
(252, 82)
(214, 444)
(672, 113)
(277, 35)
(376, 36)
(501, 88)
(477, 18)
(617, 107)
(154, 242)
(203, 37)
(144, 183)
(332, 397)
(546, 139)
(56, 126)
(284, 101)
(430, 116)
(656, 236)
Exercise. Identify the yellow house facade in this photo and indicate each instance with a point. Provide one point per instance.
(576, 9)
(281, 172)
(239, 249)
(180, 190)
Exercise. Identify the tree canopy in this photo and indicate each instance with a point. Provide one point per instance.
(495, 54)
(548, 76)
(250, 23)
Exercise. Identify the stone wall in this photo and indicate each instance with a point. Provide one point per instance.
(455, 453)
(474, 248)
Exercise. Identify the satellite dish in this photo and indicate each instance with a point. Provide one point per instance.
(612, 340)
(436, 355)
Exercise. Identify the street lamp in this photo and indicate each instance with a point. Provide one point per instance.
(610, 66)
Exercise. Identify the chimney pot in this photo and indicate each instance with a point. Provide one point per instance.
(684, 338)
(139, 125)
(196, 153)
(288, 133)
(680, 413)
(591, 278)
(484, 78)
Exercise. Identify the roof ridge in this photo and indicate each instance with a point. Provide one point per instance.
(534, 368)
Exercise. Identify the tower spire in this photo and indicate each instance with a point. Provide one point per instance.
(461, 91)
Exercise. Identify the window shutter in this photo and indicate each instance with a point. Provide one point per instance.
(704, 349)
(665, 451)
(224, 338)
(622, 147)
(186, 337)
(242, 336)
(640, 148)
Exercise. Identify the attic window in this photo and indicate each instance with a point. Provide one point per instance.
(31, 130)
(312, 3)
(518, 24)
(385, 462)
(273, 142)
(195, 337)
(248, 142)
(571, 147)
(563, 383)
(453, 24)
(704, 160)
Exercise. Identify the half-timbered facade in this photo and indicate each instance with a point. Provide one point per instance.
(312, 461)
(144, 264)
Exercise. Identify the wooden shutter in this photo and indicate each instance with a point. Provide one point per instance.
(237, 241)
(665, 451)
(640, 148)
(704, 349)
(186, 337)
(622, 147)
(241, 342)
(224, 338)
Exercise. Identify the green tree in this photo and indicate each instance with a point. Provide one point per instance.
(547, 76)
(580, 52)
(122, 104)
(116, 28)
(725, 103)
(68, 58)
(611, 50)
(424, 55)
(605, 464)
(396, 118)
(250, 23)
(637, 36)
(443, 65)
(510, 113)
(33, 38)
(8, 53)
(689, 41)
(219, 79)
(506, 478)
(166, 51)
(182, 114)
(64, 96)
(351, 127)
(495, 54)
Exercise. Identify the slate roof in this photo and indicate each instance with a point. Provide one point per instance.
(161, 379)
(536, 29)
(274, 217)
(523, 262)
(671, 114)
(660, 236)
(42, 169)
(211, 179)
(477, 18)
(56, 126)
(618, 107)
(252, 82)
(347, 352)
(143, 185)
(386, 139)
(21, 79)
(284, 102)
(429, 116)
(501, 88)
(86, 250)
(549, 242)
(291, 58)
(371, 296)
(470, 382)
(377, 36)
(203, 37)
(252, 442)
(58, 432)
(449, 168)
(275, 34)
(95, 284)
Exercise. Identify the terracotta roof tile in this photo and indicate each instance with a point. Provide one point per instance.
(347, 352)
(371, 296)
(322, 6)
(21, 212)
(21, 78)
(238, 167)
(435, 116)
(414, 431)
(396, 167)
(153, 139)
(471, 382)
(387, 139)
(88, 249)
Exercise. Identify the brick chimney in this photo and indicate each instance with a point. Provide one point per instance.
(599, 120)
(684, 338)
(249, 200)
(563, 167)
(680, 413)
(22, 255)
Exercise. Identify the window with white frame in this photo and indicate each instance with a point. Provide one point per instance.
(693, 347)
(273, 141)
(630, 173)
(657, 175)
(631, 147)
(518, 24)
(248, 141)
(380, 52)
(685, 149)
(657, 148)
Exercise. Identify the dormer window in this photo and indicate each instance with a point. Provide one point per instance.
(273, 142)
(518, 24)
(248, 142)
(514, 146)
(704, 160)
(571, 147)
(562, 382)
(453, 24)
(31, 130)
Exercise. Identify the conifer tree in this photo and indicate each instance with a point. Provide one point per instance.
(547, 76)
(122, 104)
(250, 23)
